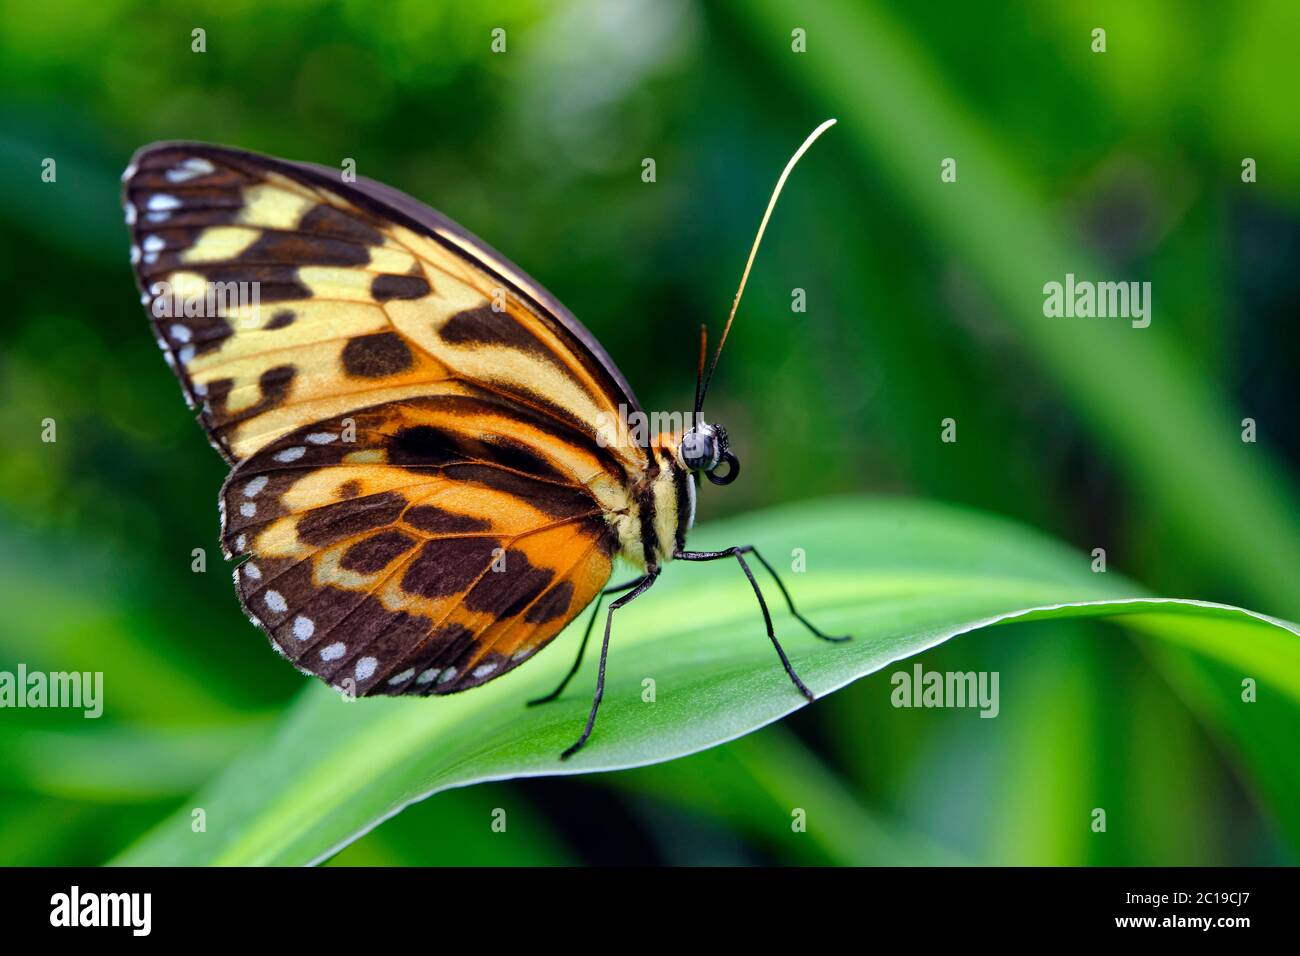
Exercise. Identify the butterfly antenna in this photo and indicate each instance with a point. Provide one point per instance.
(699, 375)
(701, 391)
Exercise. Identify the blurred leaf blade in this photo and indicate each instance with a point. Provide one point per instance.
(895, 113)
(119, 763)
(759, 781)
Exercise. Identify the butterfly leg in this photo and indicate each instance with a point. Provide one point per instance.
(738, 553)
(640, 588)
(789, 601)
(582, 648)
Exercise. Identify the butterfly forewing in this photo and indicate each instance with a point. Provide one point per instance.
(334, 299)
(421, 480)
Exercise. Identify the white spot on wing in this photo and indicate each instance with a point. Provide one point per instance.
(290, 454)
(401, 678)
(160, 207)
(334, 651)
(152, 246)
(427, 676)
(484, 669)
(322, 438)
(275, 601)
(304, 628)
(366, 667)
(180, 333)
(248, 509)
(253, 487)
(252, 571)
(191, 168)
(447, 675)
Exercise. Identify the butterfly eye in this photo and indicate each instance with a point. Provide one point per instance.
(699, 450)
(727, 477)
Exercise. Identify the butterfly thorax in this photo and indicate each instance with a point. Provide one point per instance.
(661, 507)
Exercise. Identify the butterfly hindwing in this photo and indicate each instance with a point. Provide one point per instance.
(422, 481)
(432, 552)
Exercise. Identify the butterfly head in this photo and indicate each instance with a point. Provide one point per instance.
(704, 448)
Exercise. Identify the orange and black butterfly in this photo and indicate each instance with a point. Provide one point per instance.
(424, 479)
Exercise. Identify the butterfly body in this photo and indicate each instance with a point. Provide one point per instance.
(431, 469)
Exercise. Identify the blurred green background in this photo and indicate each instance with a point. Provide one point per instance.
(924, 302)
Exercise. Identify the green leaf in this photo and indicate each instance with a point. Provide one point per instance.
(900, 576)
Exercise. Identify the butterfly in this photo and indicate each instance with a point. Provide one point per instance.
(432, 470)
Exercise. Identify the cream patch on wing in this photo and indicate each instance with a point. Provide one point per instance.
(218, 243)
(275, 204)
(332, 282)
(391, 260)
